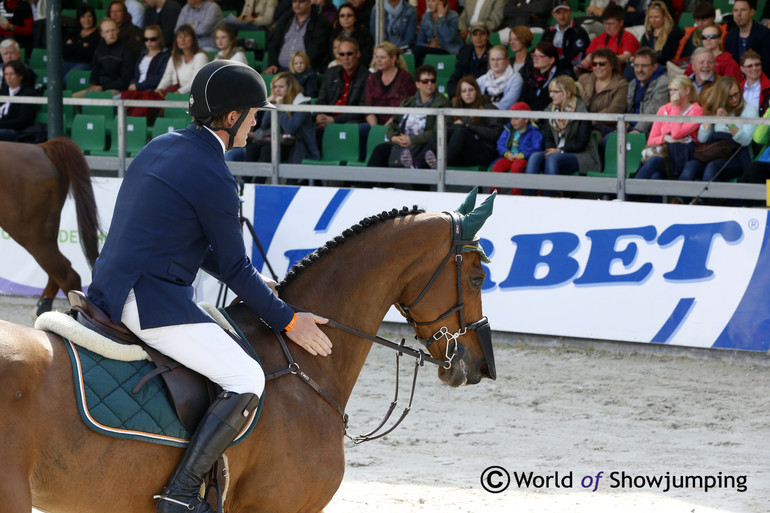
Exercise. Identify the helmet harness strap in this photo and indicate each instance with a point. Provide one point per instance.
(233, 130)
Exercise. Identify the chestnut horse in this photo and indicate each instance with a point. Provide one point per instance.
(293, 461)
(34, 182)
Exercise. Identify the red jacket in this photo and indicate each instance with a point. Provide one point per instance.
(725, 66)
(764, 92)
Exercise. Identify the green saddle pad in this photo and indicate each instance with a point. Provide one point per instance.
(107, 405)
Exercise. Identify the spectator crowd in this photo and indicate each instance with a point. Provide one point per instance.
(664, 57)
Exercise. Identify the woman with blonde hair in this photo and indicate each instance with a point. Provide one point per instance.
(296, 126)
(568, 143)
(671, 143)
(390, 84)
(299, 65)
(186, 59)
(660, 32)
(723, 99)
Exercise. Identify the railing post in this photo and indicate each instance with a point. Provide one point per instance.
(622, 157)
(275, 144)
(441, 148)
(121, 135)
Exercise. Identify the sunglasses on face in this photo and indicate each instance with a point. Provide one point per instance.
(600, 63)
(345, 15)
(151, 39)
(427, 80)
(345, 54)
(711, 36)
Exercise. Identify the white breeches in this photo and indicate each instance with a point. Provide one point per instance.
(203, 347)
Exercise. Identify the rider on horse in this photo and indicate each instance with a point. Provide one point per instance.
(178, 211)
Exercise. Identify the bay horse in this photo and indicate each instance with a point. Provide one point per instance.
(294, 460)
(34, 182)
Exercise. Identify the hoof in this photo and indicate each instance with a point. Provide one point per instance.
(45, 304)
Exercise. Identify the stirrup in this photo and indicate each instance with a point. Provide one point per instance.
(191, 506)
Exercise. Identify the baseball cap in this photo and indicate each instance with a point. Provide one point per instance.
(561, 4)
(479, 25)
(520, 106)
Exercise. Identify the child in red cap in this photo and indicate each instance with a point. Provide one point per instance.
(520, 139)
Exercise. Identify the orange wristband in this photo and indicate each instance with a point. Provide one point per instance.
(290, 326)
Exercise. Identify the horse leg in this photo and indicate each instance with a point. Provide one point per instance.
(61, 275)
(45, 303)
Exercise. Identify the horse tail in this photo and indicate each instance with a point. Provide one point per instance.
(69, 160)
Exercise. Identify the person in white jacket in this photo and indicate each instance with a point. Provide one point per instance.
(186, 59)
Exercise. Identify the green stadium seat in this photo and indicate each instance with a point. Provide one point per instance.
(444, 64)
(409, 59)
(253, 39)
(108, 111)
(136, 137)
(77, 80)
(176, 112)
(635, 143)
(377, 135)
(166, 125)
(339, 145)
(38, 59)
(88, 132)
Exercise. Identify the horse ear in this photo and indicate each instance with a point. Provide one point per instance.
(474, 220)
(468, 203)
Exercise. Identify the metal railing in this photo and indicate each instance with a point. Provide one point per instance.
(275, 172)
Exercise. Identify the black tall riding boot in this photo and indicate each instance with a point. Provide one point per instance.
(220, 425)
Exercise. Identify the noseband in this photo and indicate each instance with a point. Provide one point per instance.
(482, 328)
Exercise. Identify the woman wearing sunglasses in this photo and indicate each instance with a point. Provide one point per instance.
(725, 65)
(660, 32)
(412, 137)
(348, 25)
(604, 89)
(152, 63)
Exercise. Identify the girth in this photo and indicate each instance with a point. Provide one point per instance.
(189, 393)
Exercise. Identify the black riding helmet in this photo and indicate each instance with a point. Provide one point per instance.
(222, 86)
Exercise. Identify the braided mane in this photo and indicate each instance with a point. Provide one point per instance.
(347, 234)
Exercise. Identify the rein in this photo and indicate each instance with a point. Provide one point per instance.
(481, 326)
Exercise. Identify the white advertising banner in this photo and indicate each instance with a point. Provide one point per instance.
(693, 276)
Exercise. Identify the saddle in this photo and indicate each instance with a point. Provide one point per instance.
(189, 393)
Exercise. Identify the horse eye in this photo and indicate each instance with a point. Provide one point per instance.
(477, 282)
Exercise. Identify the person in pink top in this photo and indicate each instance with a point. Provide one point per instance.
(679, 138)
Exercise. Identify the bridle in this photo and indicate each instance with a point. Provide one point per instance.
(481, 327)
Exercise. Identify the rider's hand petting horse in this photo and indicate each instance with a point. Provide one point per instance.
(177, 211)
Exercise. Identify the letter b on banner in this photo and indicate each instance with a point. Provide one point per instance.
(561, 267)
